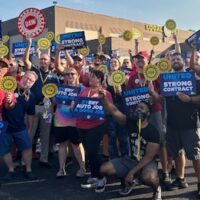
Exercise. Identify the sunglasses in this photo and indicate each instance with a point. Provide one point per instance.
(68, 74)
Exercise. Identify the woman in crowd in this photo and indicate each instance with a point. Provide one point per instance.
(65, 129)
(91, 132)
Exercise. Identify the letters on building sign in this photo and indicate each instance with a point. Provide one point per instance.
(155, 28)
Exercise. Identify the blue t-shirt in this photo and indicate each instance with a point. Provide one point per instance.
(15, 117)
(43, 78)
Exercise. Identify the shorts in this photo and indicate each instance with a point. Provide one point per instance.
(63, 134)
(189, 140)
(21, 139)
(124, 164)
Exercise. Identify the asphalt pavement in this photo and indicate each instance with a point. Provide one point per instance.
(47, 187)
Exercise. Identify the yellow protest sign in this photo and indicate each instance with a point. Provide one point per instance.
(50, 36)
(118, 77)
(57, 39)
(8, 84)
(154, 40)
(103, 68)
(43, 43)
(127, 35)
(164, 65)
(3, 50)
(49, 90)
(170, 24)
(101, 39)
(136, 33)
(5, 38)
(151, 72)
(84, 51)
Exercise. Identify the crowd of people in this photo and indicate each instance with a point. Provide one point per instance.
(131, 143)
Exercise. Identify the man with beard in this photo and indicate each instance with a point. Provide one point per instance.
(182, 128)
(13, 113)
(144, 146)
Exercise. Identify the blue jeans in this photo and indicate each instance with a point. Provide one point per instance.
(117, 132)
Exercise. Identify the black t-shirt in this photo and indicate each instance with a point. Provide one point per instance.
(182, 115)
(16, 116)
(43, 78)
(148, 134)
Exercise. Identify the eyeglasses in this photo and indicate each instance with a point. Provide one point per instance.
(125, 62)
(68, 74)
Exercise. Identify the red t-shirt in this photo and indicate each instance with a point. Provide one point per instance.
(87, 124)
(135, 81)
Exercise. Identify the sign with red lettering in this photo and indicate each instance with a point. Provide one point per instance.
(31, 22)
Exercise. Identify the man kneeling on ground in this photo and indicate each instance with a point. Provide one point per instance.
(144, 146)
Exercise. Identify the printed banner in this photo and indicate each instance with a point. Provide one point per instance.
(75, 40)
(173, 83)
(18, 49)
(88, 108)
(3, 126)
(66, 94)
(133, 97)
(194, 38)
(62, 53)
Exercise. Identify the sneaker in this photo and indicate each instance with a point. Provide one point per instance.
(30, 176)
(166, 179)
(177, 184)
(127, 189)
(61, 173)
(157, 194)
(9, 176)
(101, 183)
(80, 173)
(90, 183)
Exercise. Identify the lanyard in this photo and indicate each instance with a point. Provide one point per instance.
(142, 84)
(139, 139)
(41, 77)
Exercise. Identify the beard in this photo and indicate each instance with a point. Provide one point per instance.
(177, 66)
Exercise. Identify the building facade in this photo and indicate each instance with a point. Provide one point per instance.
(62, 20)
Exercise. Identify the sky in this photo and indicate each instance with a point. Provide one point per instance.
(184, 12)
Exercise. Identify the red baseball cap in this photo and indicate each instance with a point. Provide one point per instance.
(142, 54)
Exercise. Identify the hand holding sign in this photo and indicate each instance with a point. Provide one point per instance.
(9, 97)
(184, 97)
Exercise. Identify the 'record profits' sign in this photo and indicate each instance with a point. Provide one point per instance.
(66, 94)
(132, 97)
(173, 83)
(75, 40)
(3, 126)
(18, 49)
(88, 108)
(194, 38)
